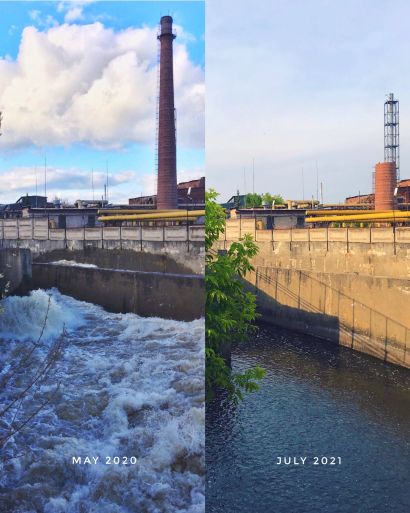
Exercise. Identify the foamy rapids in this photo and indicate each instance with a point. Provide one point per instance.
(129, 387)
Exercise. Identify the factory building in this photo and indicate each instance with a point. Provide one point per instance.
(191, 195)
(367, 200)
(269, 219)
(13, 210)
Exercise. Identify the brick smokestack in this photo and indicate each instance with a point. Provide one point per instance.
(167, 195)
(385, 183)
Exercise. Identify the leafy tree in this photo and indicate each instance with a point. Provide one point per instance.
(269, 199)
(278, 199)
(253, 200)
(230, 310)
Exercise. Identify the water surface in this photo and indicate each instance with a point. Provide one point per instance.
(129, 388)
(316, 400)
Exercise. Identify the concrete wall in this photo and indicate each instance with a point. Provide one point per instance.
(186, 247)
(39, 229)
(15, 269)
(364, 313)
(149, 294)
(370, 251)
(349, 286)
(123, 259)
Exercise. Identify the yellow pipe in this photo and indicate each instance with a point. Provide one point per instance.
(133, 211)
(181, 214)
(342, 212)
(129, 218)
(133, 218)
(391, 215)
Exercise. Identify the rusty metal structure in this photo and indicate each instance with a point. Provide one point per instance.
(385, 184)
(167, 195)
(391, 132)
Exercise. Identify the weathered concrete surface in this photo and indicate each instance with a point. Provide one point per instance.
(183, 244)
(365, 313)
(149, 294)
(15, 268)
(373, 260)
(125, 259)
(351, 287)
(189, 254)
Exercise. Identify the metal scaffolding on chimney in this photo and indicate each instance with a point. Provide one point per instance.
(391, 132)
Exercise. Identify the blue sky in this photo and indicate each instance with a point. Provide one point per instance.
(78, 85)
(295, 83)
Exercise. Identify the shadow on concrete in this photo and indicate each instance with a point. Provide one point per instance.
(390, 343)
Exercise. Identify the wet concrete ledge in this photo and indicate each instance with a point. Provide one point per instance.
(149, 294)
(15, 270)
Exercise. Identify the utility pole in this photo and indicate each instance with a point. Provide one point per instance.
(303, 185)
(45, 176)
(92, 181)
(253, 176)
(244, 181)
(106, 171)
(35, 172)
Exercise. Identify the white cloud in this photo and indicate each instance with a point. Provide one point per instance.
(12, 30)
(42, 21)
(74, 182)
(290, 83)
(90, 84)
(73, 10)
(76, 13)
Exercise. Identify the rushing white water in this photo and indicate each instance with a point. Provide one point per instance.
(74, 263)
(130, 387)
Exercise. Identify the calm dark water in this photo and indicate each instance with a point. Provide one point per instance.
(316, 400)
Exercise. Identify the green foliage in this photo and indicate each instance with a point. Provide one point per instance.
(253, 200)
(278, 199)
(257, 200)
(267, 198)
(230, 310)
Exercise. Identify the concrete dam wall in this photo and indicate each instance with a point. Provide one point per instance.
(151, 285)
(354, 292)
(149, 294)
(114, 258)
(15, 270)
(183, 244)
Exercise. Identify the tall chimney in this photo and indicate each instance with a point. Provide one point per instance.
(167, 195)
